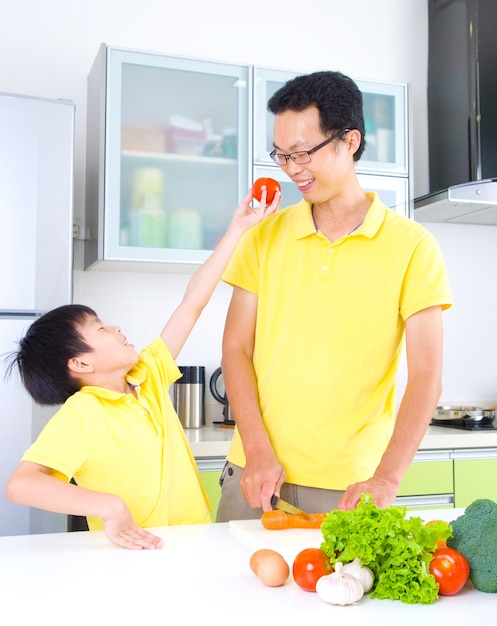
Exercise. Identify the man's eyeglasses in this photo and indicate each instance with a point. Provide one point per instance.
(303, 156)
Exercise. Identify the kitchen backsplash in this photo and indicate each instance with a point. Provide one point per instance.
(470, 326)
(141, 302)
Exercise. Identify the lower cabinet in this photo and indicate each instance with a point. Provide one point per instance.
(475, 475)
(210, 472)
(436, 479)
(449, 478)
(429, 481)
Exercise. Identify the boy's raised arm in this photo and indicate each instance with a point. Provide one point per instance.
(203, 283)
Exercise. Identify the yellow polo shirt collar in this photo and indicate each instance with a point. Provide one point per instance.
(304, 225)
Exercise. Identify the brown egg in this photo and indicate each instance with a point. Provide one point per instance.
(257, 557)
(273, 570)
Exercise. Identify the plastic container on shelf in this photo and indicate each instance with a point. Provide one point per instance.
(184, 136)
(147, 223)
(185, 229)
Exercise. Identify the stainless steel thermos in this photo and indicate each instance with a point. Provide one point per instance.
(189, 396)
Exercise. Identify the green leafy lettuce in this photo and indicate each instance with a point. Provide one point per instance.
(398, 550)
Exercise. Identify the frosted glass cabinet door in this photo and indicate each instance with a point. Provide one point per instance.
(176, 154)
(392, 191)
(266, 82)
(385, 119)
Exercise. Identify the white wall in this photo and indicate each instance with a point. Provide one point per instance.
(47, 48)
(470, 326)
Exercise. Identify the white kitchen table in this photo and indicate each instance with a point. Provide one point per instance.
(202, 574)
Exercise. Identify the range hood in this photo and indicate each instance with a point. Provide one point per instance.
(468, 203)
(462, 118)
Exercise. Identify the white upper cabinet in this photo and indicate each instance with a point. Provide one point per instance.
(385, 120)
(167, 156)
(384, 165)
(173, 145)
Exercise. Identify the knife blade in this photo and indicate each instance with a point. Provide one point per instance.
(280, 504)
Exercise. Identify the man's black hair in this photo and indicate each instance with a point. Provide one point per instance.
(336, 96)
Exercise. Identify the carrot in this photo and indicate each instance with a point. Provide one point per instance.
(279, 520)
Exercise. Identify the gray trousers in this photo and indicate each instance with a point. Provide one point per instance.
(233, 505)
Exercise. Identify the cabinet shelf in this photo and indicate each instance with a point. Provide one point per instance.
(171, 158)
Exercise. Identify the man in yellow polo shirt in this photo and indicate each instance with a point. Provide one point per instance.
(325, 293)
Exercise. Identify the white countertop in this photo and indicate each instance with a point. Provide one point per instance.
(209, 441)
(441, 437)
(201, 576)
(214, 441)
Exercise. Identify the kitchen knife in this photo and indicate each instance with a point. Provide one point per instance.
(280, 504)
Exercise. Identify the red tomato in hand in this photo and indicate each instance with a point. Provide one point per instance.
(272, 186)
(309, 566)
(451, 570)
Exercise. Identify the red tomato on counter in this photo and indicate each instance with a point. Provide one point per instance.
(309, 565)
(272, 186)
(450, 569)
(440, 542)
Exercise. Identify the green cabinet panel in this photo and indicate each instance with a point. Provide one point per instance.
(475, 479)
(210, 481)
(426, 478)
(457, 476)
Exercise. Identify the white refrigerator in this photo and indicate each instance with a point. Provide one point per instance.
(36, 217)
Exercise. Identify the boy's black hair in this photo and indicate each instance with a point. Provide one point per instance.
(336, 96)
(45, 350)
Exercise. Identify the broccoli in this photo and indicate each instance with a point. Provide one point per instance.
(474, 534)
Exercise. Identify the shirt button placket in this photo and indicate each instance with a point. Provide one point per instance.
(326, 263)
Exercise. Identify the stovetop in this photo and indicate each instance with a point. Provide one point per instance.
(464, 424)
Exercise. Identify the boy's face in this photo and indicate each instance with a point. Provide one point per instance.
(111, 353)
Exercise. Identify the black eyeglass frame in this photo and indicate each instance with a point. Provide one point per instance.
(276, 156)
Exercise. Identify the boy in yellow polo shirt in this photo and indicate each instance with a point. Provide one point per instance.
(117, 433)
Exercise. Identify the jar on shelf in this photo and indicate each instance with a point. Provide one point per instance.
(147, 225)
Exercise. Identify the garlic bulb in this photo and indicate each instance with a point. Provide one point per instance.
(361, 572)
(339, 587)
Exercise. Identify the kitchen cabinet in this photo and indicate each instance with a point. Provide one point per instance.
(428, 474)
(210, 481)
(393, 191)
(438, 478)
(210, 472)
(385, 118)
(167, 156)
(428, 482)
(174, 143)
(384, 165)
(475, 473)
(452, 467)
